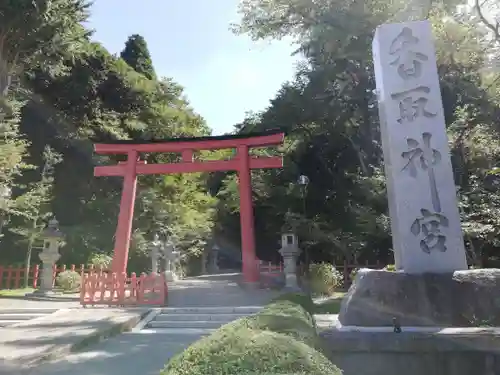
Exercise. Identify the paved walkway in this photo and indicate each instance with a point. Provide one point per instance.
(142, 353)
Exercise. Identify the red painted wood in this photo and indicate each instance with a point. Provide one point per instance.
(188, 156)
(209, 144)
(250, 271)
(119, 290)
(125, 217)
(36, 272)
(203, 166)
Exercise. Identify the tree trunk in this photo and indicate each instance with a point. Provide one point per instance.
(27, 265)
(5, 78)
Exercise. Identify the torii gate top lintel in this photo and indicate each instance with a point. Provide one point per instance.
(263, 139)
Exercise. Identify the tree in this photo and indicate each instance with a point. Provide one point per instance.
(330, 114)
(34, 206)
(137, 56)
(34, 29)
(13, 150)
(97, 97)
(488, 14)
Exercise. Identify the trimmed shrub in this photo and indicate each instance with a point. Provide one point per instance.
(390, 267)
(101, 260)
(69, 280)
(281, 339)
(287, 318)
(324, 278)
(300, 299)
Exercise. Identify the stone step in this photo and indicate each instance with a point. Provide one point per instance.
(185, 324)
(28, 310)
(20, 316)
(196, 332)
(244, 310)
(6, 323)
(11, 316)
(200, 317)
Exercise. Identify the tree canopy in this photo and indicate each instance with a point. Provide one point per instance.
(136, 55)
(61, 93)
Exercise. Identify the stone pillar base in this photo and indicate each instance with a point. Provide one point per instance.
(42, 293)
(460, 299)
(457, 352)
(291, 282)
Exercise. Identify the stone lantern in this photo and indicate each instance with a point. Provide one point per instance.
(53, 239)
(171, 259)
(155, 253)
(213, 266)
(290, 252)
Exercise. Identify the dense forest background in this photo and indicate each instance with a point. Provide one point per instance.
(60, 93)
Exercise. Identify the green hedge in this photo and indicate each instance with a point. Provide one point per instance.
(281, 339)
(302, 300)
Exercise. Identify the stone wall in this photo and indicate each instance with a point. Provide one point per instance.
(466, 352)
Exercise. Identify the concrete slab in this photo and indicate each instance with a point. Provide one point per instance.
(65, 331)
(129, 353)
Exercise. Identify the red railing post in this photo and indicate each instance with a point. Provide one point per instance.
(17, 279)
(9, 277)
(36, 272)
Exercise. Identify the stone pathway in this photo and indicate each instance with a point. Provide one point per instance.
(204, 303)
(11, 316)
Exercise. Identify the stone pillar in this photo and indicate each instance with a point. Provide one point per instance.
(171, 257)
(155, 249)
(425, 221)
(290, 252)
(213, 267)
(49, 256)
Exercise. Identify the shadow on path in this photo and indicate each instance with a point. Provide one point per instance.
(145, 353)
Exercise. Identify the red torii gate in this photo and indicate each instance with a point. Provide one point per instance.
(243, 163)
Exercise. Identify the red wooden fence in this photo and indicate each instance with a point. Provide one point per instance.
(13, 277)
(270, 269)
(267, 269)
(101, 288)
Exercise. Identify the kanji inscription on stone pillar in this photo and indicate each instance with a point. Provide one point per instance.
(425, 220)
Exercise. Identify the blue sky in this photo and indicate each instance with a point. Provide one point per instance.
(224, 75)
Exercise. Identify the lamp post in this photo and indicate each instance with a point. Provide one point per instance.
(303, 182)
(214, 255)
(53, 239)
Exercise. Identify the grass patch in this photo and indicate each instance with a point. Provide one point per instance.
(329, 306)
(279, 340)
(15, 292)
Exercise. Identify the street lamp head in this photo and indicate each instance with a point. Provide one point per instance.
(303, 180)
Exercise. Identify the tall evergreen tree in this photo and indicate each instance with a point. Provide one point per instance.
(136, 55)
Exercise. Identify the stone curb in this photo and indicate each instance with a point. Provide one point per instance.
(51, 299)
(93, 338)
